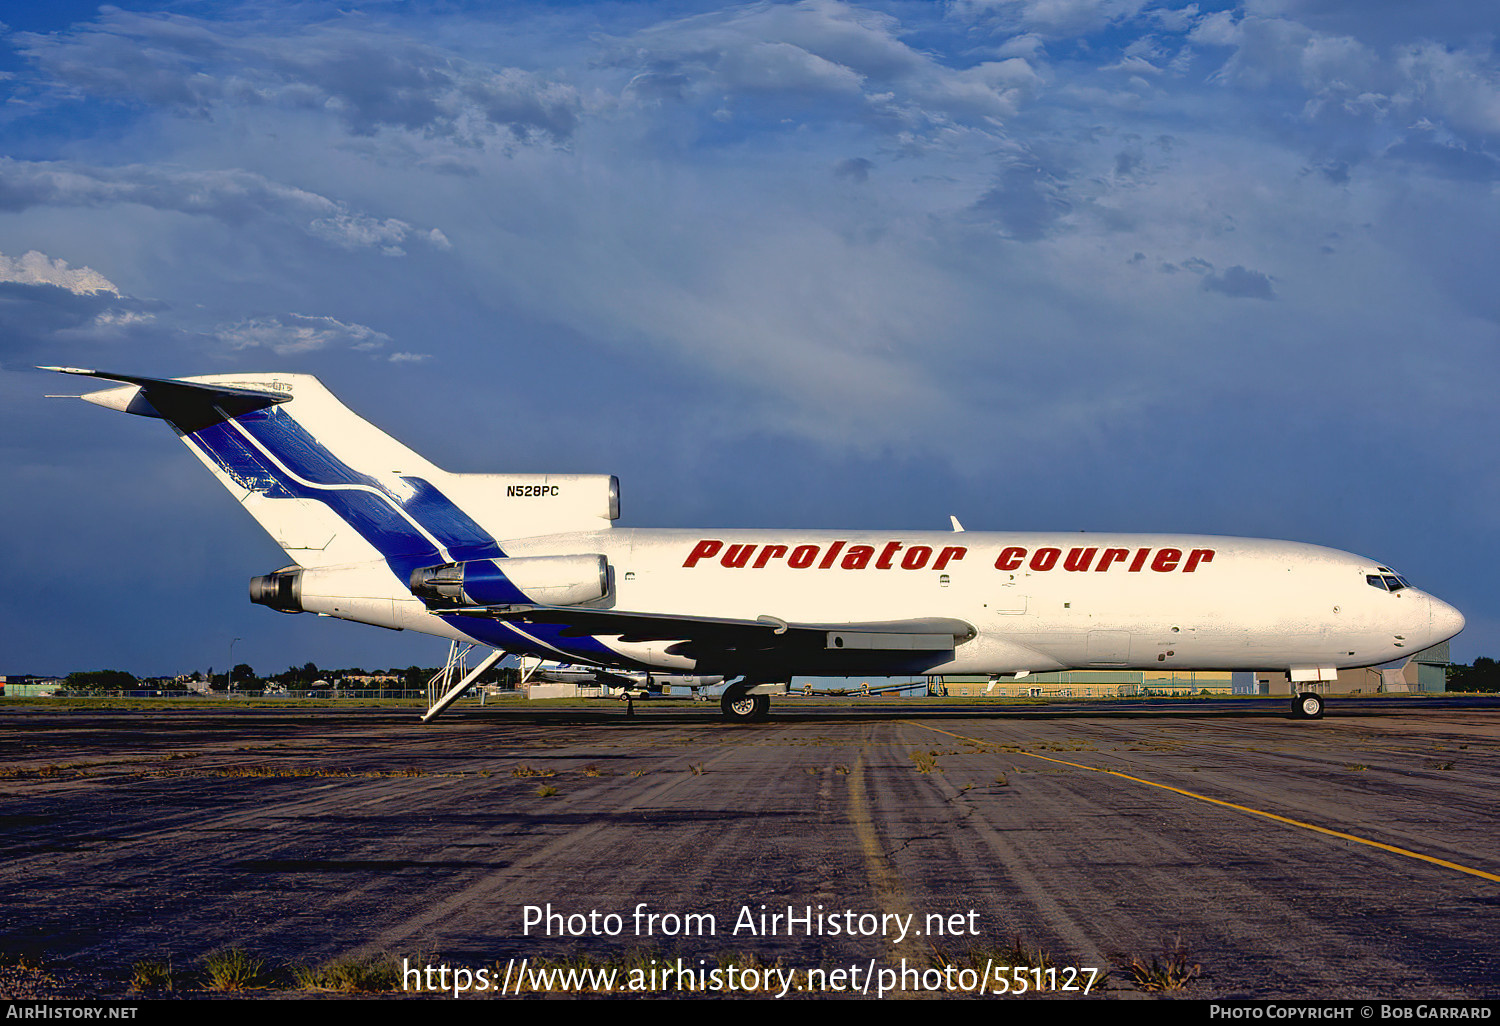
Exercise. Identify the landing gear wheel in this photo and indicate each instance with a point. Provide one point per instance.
(1307, 706)
(739, 707)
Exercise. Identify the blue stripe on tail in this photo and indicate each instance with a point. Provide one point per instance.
(365, 503)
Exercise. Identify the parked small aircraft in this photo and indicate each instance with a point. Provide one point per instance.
(532, 564)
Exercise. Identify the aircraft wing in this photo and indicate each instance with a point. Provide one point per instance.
(764, 634)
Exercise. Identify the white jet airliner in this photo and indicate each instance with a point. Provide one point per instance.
(531, 564)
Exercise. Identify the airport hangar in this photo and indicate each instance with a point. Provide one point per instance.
(1425, 672)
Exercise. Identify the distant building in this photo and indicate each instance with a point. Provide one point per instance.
(1426, 671)
(24, 685)
(1088, 684)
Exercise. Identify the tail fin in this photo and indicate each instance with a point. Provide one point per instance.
(332, 489)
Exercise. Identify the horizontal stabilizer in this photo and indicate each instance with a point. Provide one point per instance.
(188, 405)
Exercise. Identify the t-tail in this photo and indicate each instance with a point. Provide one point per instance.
(341, 497)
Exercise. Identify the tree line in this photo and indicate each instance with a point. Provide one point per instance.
(293, 678)
(1483, 675)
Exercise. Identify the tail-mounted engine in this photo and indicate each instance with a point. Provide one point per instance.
(538, 580)
(362, 592)
(282, 590)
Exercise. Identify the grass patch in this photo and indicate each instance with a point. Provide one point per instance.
(523, 771)
(42, 772)
(266, 771)
(23, 977)
(1018, 952)
(234, 969)
(1023, 966)
(1172, 969)
(371, 975)
(926, 761)
(151, 974)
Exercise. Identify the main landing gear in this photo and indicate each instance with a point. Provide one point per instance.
(1307, 706)
(739, 705)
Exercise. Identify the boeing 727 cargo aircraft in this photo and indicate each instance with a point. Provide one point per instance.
(532, 564)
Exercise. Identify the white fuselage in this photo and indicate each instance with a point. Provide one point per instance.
(1036, 601)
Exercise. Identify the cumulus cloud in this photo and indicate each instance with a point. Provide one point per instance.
(47, 306)
(1343, 75)
(1239, 283)
(1447, 159)
(36, 268)
(232, 196)
(820, 60)
(855, 169)
(297, 333)
(1028, 199)
(359, 231)
(1052, 18)
(1462, 86)
(368, 77)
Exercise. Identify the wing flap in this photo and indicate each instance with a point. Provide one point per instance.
(765, 633)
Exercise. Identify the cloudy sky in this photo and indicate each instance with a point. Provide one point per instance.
(1044, 264)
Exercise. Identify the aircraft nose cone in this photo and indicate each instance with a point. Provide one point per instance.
(1446, 621)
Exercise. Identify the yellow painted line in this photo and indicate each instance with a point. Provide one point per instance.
(885, 882)
(1239, 808)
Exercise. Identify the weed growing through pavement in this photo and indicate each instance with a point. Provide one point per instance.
(372, 974)
(234, 969)
(1174, 969)
(151, 974)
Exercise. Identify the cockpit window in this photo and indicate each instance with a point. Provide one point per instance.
(1388, 581)
(1394, 583)
(1375, 581)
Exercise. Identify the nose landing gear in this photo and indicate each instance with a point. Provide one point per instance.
(1307, 706)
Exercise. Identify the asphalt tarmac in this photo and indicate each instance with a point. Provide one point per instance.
(1354, 856)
